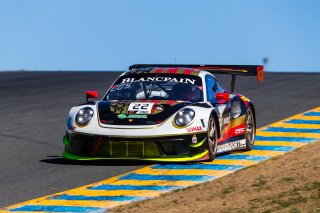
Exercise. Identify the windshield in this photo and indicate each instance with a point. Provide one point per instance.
(156, 87)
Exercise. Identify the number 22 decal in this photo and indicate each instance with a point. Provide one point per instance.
(140, 108)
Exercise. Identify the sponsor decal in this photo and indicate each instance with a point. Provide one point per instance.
(181, 80)
(137, 116)
(140, 108)
(194, 129)
(239, 131)
(194, 139)
(234, 145)
(123, 116)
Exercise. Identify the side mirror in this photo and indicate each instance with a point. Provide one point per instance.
(223, 97)
(91, 94)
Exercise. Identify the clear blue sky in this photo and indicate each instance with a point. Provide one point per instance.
(113, 34)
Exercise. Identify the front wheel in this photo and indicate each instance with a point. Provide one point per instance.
(250, 129)
(212, 138)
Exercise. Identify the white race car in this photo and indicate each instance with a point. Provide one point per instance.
(163, 112)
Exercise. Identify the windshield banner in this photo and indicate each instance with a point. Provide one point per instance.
(181, 80)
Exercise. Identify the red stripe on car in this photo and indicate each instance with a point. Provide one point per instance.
(173, 70)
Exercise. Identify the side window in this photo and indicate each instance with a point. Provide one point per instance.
(211, 86)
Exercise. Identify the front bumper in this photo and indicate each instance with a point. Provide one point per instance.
(169, 148)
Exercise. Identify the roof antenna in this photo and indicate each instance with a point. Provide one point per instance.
(174, 61)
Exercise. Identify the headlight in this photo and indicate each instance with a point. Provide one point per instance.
(184, 117)
(84, 116)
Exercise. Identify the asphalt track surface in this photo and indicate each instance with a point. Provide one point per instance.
(34, 107)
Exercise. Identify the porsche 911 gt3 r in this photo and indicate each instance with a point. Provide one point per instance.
(164, 112)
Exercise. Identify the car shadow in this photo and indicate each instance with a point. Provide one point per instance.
(62, 161)
(52, 159)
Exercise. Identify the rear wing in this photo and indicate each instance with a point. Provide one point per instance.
(234, 70)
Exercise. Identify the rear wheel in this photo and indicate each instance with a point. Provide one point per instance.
(212, 138)
(250, 129)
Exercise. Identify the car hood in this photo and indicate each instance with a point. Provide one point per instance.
(119, 113)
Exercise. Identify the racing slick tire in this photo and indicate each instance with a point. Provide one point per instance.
(250, 129)
(212, 138)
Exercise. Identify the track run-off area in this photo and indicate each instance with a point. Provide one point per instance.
(37, 104)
